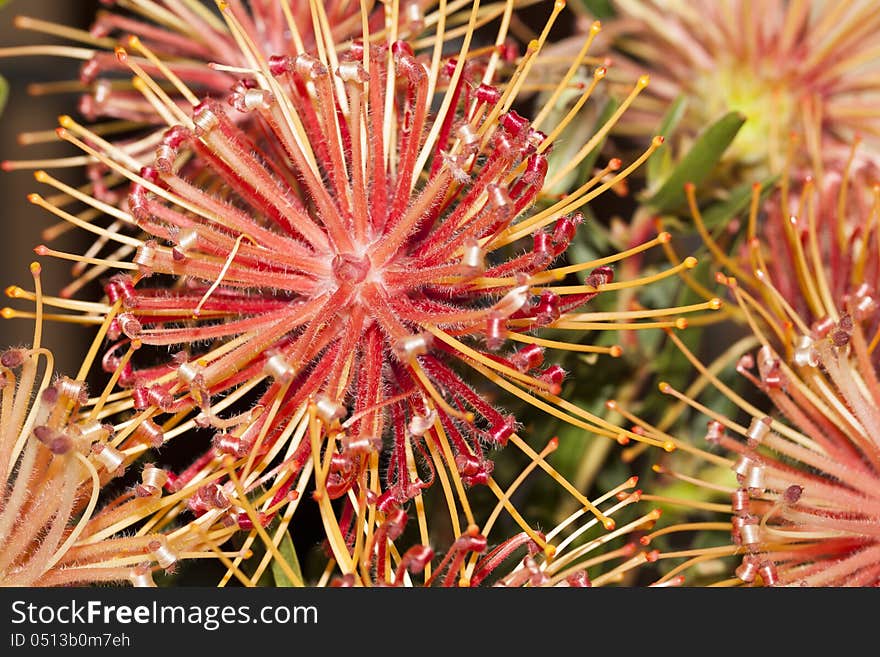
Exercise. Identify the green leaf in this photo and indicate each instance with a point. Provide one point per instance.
(736, 203)
(4, 90)
(599, 8)
(590, 161)
(661, 161)
(289, 553)
(699, 161)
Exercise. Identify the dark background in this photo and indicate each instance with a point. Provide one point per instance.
(21, 222)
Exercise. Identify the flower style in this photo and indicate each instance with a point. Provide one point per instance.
(784, 65)
(57, 455)
(332, 271)
(807, 500)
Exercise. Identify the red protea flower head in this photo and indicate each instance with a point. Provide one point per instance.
(341, 273)
(784, 65)
(805, 499)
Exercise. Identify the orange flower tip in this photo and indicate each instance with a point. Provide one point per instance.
(6, 165)
(616, 351)
(533, 46)
(134, 41)
(622, 439)
(65, 121)
(665, 236)
(553, 444)
(689, 187)
(13, 291)
(595, 28)
(715, 304)
(611, 404)
(121, 54)
(600, 72)
(136, 344)
(41, 176)
(652, 556)
(472, 530)
(629, 549)
(659, 469)
(317, 496)
(41, 249)
(469, 416)
(464, 583)
(681, 323)
(559, 5)
(62, 133)
(664, 387)
(549, 551)
(608, 523)
(658, 141)
(669, 446)
(690, 262)
(7, 313)
(614, 164)
(645, 540)
(632, 481)
(644, 80)
(33, 198)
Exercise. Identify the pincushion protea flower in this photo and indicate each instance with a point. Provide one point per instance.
(344, 255)
(806, 504)
(784, 65)
(57, 456)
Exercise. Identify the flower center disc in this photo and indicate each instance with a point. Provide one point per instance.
(350, 268)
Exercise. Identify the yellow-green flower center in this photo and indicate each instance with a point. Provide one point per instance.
(766, 103)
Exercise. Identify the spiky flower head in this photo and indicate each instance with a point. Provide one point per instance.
(806, 500)
(63, 520)
(783, 65)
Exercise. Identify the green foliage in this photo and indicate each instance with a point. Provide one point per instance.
(289, 553)
(720, 213)
(661, 163)
(4, 91)
(601, 9)
(698, 163)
